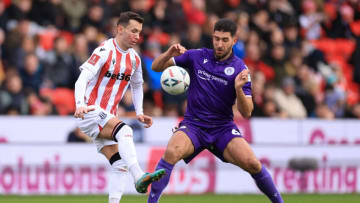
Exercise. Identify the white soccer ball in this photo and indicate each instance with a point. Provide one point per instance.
(175, 80)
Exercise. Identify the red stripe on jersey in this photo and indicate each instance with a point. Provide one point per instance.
(104, 69)
(122, 84)
(137, 61)
(171, 74)
(109, 86)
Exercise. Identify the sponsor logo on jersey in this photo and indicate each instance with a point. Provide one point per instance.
(229, 70)
(119, 76)
(94, 59)
(207, 76)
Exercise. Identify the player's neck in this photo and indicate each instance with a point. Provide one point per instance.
(120, 45)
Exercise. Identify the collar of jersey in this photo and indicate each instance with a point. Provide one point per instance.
(118, 47)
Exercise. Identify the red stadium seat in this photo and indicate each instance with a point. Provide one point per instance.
(62, 98)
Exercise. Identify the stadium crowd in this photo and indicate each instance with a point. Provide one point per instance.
(304, 56)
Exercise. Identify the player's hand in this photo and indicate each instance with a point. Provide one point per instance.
(80, 111)
(147, 120)
(241, 79)
(176, 50)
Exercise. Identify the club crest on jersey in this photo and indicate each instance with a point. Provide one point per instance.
(229, 70)
(93, 59)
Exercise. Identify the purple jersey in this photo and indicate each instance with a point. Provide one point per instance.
(211, 93)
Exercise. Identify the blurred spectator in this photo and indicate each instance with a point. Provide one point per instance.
(355, 111)
(49, 8)
(12, 97)
(278, 39)
(277, 61)
(287, 101)
(80, 50)
(307, 88)
(61, 72)
(335, 100)
(194, 11)
(19, 9)
(91, 35)
(74, 10)
(77, 136)
(40, 106)
(3, 16)
(28, 45)
(281, 11)
(32, 73)
(291, 34)
(272, 110)
(193, 39)
(94, 17)
(323, 111)
(254, 62)
(310, 20)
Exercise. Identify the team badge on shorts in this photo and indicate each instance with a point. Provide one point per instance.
(229, 70)
(102, 115)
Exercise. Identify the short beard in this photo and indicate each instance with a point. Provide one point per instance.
(219, 58)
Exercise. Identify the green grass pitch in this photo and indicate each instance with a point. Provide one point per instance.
(298, 198)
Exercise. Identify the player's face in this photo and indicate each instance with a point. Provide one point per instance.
(223, 43)
(130, 34)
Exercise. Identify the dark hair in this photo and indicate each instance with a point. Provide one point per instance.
(226, 25)
(125, 17)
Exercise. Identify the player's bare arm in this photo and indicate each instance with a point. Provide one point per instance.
(164, 60)
(244, 104)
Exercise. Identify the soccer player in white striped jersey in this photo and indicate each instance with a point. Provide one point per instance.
(104, 78)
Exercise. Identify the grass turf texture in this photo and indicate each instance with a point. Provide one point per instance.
(297, 198)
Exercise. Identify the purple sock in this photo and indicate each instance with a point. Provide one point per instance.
(158, 186)
(266, 185)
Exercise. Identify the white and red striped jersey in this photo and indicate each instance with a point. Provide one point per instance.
(113, 69)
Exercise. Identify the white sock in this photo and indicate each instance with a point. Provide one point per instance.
(136, 171)
(127, 151)
(114, 200)
(117, 181)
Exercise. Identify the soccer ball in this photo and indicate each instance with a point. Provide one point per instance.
(175, 80)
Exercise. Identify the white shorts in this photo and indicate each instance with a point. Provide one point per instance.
(92, 123)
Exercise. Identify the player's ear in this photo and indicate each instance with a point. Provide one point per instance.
(234, 38)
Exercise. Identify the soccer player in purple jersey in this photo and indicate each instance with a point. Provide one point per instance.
(217, 80)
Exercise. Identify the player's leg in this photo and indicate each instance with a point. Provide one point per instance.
(179, 147)
(118, 174)
(239, 152)
(118, 131)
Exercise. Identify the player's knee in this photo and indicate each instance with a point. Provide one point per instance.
(122, 131)
(173, 154)
(252, 165)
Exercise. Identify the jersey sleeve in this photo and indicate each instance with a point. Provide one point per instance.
(96, 60)
(137, 76)
(185, 60)
(247, 87)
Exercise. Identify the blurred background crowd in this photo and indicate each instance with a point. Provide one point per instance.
(304, 55)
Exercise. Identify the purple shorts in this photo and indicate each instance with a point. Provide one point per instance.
(213, 139)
